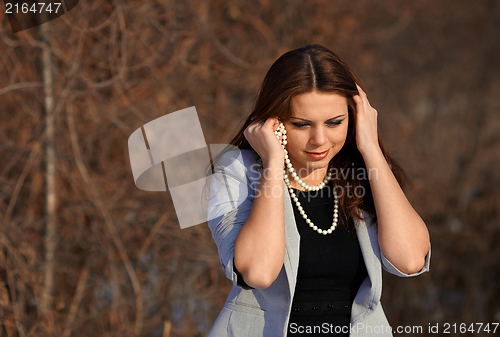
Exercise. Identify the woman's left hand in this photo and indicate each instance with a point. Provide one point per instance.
(366, 124)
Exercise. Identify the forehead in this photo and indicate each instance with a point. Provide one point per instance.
(318, 105)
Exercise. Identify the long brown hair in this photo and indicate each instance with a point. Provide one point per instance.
(316, 68)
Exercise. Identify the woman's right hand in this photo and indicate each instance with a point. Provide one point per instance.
(263, 140)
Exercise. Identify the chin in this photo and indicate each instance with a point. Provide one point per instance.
(317, 164)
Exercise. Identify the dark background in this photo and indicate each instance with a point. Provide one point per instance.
(107, 259)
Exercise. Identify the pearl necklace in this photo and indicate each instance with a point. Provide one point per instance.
(282, 132)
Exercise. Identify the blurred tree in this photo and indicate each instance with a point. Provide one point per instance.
(106, 259)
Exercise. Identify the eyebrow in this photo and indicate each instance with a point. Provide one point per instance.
(331, 119)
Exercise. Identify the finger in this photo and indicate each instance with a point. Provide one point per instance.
(251, 128)
(360, 102)
(271, 124)
(357, 99)
(257, 124)
(362, 93)
(272, 120)
(360, 90)
(364, 99)
(276, 123)
(362, 105)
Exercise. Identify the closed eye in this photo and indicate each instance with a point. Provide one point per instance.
(334, 123)
(330, 124)
(300, 125)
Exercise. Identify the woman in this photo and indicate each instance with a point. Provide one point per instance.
(309, 208)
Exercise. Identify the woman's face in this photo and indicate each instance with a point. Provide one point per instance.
(316, 131)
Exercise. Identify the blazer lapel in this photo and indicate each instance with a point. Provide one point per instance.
(368, 242)
(292, 238)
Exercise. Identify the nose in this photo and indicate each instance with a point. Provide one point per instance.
(318, 136)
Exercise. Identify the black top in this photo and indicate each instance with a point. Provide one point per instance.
(327, 262)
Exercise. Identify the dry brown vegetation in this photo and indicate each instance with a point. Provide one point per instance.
(92, 255)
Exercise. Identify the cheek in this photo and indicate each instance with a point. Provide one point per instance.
(341, 136)
(295, 141)
(338, 137)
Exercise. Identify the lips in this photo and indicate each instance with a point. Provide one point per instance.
(318, 155)
(317, 152)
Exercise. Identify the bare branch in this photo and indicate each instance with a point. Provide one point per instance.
(73, 310)
(23, 85)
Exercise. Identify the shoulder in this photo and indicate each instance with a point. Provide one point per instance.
(244, 157)
(238, 162)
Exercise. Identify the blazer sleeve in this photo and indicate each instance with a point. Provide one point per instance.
(231, 199)
(393, 270)
(388, 266)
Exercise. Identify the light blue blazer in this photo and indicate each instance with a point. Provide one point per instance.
(265, 312)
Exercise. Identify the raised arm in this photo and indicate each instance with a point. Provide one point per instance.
(259, 248)
(403, 236)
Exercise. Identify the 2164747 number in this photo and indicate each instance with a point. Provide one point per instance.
(470, 328)
(32, 8)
